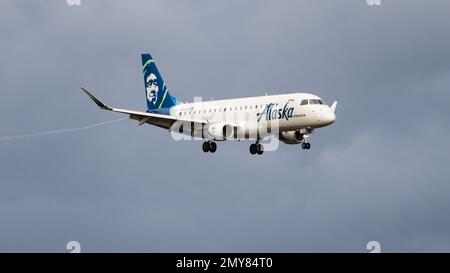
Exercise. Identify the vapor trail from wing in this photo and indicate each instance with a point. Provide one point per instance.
(61, 131)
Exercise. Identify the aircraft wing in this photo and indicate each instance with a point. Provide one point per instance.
(163, 121)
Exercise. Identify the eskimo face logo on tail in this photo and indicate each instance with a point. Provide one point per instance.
(271, 114)
(152, 88)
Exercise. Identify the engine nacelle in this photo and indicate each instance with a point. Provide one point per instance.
(291, 137)
(220, 131)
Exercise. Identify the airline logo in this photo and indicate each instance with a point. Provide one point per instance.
(151, 86)
(272, 113)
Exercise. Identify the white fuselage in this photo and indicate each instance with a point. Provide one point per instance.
(258, 116)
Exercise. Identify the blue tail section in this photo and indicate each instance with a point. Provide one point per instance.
(158, 97)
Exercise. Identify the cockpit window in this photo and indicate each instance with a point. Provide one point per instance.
(304, 102)
(313, 101)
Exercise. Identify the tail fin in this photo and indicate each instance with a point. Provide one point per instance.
(157, 94)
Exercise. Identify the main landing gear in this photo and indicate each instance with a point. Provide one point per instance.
(209, 146)
(256, 148)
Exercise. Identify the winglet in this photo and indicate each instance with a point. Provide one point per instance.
(99, 103)
(333, 106)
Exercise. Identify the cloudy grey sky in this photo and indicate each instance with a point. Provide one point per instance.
(379, 173)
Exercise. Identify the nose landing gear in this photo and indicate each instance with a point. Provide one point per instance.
(306, 145)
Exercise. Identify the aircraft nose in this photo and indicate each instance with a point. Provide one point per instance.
(328, 118)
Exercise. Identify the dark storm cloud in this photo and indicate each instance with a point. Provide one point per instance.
(379, 173)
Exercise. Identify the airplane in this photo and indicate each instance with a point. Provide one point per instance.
(291, 118)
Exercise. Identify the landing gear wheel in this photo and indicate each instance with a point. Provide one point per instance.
(253, 149)
(306, 146)
(206, 147)
(212, 147)
(259, 149)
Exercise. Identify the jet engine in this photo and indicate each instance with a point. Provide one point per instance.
(291, 137)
